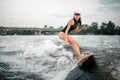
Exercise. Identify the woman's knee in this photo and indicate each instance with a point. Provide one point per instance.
(61, 35)
(71, 41)
(77, 43)
(74, 42)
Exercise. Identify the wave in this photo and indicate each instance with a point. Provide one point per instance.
(40, 57)
(49, 59)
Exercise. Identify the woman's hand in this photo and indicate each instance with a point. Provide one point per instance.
(67, 44)
(66, 40)
(84, 27)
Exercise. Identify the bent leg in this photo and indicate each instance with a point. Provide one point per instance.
(72, 42)
(75, 46)
(81, 58)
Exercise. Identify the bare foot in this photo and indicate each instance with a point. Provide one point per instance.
(83, 58)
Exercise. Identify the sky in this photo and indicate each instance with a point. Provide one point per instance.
(37, 13)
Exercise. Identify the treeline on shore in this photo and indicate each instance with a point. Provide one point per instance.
(105, 29)
(20, 32)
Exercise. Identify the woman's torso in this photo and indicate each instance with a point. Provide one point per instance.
(71, 28)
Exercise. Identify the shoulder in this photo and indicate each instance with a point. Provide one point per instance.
(71, 21)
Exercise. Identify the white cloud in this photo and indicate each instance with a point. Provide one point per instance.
(51, 12)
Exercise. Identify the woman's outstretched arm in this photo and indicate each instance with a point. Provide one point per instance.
(68, 28)
(79, 29)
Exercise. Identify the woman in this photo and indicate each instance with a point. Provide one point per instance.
(73, 24)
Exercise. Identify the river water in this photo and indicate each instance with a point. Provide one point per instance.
(45, 57)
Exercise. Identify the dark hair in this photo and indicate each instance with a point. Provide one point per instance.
(79, 21)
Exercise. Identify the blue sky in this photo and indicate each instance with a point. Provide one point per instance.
(37, 13)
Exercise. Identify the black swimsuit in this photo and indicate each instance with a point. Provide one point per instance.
(71, 28)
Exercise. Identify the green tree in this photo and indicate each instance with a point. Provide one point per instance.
(103, 28)
(51, 27)
(45, 26)
(110, 28)
(95, 27)
(117, 30)
(60, 27)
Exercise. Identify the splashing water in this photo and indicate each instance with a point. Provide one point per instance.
(45, 58)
